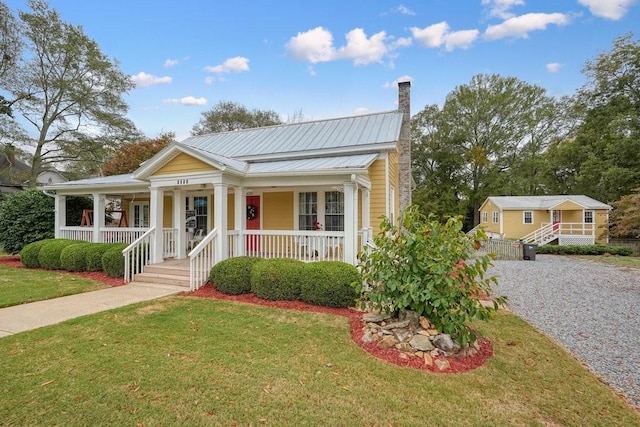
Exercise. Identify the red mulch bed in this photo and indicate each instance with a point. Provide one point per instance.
(457, 364)
(98, 276)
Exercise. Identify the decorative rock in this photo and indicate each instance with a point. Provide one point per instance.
(376, 316)
(467, 351)
(428, 360)
(421, 342)
(423, 332)
(405, 347)
(424, 323)
(397, 325)
(404, 356)
(387, 342)
(432, 331)
(442, 364)
(444, 342)
(419, 353)
(411, 316)
(402, 334)
(367, 338)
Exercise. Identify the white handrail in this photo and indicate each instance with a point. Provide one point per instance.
(201, 260)
(138, 252)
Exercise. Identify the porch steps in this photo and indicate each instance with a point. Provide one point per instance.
(167, 273)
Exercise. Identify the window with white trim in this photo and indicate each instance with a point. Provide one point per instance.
(485, 217)
(527, 217)
(496, 217)
(334, 211)
(308, 211)
(588, 217)
(140, 213)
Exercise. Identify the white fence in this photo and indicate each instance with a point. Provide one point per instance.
(302, 245)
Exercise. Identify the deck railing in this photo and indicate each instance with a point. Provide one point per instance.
(137, 255)
(298, 244)
(201, 260)
(503, 249)
(121, 235)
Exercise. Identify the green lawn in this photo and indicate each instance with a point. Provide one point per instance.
(188, 361)
(620, 261)
(21, 285)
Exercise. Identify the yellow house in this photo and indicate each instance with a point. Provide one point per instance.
(312, 191)
(563, 219)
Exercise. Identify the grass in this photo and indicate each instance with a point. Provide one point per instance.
(188, 361)
(21, 285)
(620, 261)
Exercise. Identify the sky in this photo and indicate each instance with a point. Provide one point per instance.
(331, 58)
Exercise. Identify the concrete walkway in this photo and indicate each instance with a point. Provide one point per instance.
(25, 317)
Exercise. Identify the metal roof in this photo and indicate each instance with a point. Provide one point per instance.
(544, 202)
(101, 180)
(316, 164)
(330, 134)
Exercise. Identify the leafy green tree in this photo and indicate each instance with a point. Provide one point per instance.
(625, 217)
(10, 50)
(420, 266)
(128, 157)
(229, 116)
(74, 91)
(25, 217)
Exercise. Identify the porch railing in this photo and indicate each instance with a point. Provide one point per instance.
(137, 255)
(550, 231)
(77, 233)
(169, 237)
(298, 244)
(201, 260)
(121, 235)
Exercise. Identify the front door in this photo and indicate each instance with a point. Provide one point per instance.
(253, 223)
(557, 219)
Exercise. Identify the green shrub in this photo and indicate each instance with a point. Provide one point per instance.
(596, 249)
(94, 254)
(113, 260)
(233, 276)
(49, 255)
(74, 257)
(277, 279)
(25, 217)
(420, 266)
(29, 254)
(328, 283)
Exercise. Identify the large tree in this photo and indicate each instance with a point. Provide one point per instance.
(10, 51)
(625, 218)
(128, 157)
(74, 91)
(229, 116)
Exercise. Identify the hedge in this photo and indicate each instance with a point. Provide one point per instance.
(94, 255)
(328, 283)
(277, 279)
(49, 255)
(29, 254)
(113, 260)
(74, 257)
(233, 276)
(596, 249)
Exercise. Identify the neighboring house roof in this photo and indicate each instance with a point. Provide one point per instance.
(543, 202)
(304, 139)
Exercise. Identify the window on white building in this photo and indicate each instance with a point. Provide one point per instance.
(588, 217)
(496, 217)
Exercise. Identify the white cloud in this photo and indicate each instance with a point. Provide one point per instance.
(361, 110)
(438, 35)
(520, 26)
(187, 100)
(612, 10)
(314, 46)
(403, 10)
(553, 67)
(143, 79)
(237, 64)
(311, 70)
(400, 42)
(501, 8)
(170, 63)
(363, 50)
(394, 84)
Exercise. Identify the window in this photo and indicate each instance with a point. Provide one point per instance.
(307, 211)
(200, 207)
(527, 217)
(140, 214)
(485, 216)
(588, 217)
(334, 211)
(496, 217)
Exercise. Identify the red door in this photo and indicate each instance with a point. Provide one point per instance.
(253, 223)
(557, 218)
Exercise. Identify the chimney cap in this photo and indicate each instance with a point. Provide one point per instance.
(404, 83)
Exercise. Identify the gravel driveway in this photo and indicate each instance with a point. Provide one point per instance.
(591, 309)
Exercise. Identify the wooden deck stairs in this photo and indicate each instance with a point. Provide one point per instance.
(170, 272)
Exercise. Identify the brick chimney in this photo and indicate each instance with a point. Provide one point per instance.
(404, 146)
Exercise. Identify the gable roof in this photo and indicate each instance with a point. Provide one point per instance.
(357, 133)
(543, 202)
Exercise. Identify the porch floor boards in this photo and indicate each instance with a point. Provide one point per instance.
(170, 272)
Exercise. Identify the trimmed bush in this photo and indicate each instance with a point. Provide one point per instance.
(94, 254)
(596, 249)
(328, 283)
(74, 257)
(277, 279)
(113, 260)
(29, 254)
(25, 217)
(49, 255)
(233, 276)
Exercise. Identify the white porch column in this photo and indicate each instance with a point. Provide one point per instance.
(350, 222)
(240, 220)
(220, 219)
(98, 216)
(179, 223)
(60, 214)
(366, 209)
(156, 209)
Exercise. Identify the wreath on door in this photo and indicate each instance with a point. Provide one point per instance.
(251, 212)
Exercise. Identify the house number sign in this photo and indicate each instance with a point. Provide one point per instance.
(182, 181)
